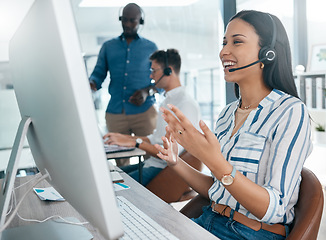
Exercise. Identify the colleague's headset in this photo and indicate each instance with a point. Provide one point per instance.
(167, 70)
(142, 17)
(139, 97)
(266, 54)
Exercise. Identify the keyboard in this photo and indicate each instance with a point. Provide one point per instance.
(115, 175)
(137, 225)
(116, 148)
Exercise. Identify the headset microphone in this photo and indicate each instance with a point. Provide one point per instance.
(270, 55)
(239, 68)
(159, 79)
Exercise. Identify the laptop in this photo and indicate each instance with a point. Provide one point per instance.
(117, 148)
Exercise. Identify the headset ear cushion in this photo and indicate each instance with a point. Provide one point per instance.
(141, 20)
(167, 71)
(268, 54)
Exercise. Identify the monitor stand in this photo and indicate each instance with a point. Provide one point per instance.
(12, 167)
(47, 230)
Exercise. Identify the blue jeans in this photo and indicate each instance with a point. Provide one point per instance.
(148, 172)
(226, 228)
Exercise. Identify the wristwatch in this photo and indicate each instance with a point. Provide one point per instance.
(227, 179)
(138, 142)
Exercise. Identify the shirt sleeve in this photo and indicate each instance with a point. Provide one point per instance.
(191, 111)
(290, 144)
(101, 68)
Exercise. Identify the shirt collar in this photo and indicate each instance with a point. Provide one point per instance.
(273, 96)
(175, 91)
(122, 37)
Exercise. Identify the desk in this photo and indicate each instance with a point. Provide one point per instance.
(128, 154)
(161, 212)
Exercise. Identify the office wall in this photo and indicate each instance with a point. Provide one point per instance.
(195, 30)
(12, 13)
(4, 51)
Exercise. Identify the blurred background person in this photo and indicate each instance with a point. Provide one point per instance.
(126, 58)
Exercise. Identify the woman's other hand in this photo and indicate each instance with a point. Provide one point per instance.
(203, 146)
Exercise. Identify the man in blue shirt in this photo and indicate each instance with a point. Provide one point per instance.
(126, 58)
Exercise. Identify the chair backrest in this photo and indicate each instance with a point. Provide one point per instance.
(169, 186)
(308, 210)
(193, 209)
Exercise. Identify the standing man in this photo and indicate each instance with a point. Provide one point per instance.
(126, 58)
(165, 71)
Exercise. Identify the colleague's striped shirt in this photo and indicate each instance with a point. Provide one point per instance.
(270, 149)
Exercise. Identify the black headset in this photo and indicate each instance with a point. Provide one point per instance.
(167, 70)
(141, 20)
(267, 54)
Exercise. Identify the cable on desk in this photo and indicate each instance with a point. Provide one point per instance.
(13, 196)
(14, 200)
(20, 202)
(48, 218)
(25, 183)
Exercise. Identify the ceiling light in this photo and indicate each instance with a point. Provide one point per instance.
(142, 3)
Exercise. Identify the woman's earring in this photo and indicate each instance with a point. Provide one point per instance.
(262, 65)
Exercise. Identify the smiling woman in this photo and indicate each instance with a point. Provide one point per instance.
(261, 140)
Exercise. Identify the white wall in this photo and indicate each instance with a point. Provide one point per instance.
(12, 13)
(4, 51)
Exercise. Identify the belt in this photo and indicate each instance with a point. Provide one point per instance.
(251, 223)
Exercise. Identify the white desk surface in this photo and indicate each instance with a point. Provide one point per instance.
(154, 207)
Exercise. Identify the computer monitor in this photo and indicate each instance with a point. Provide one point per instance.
(52, 90)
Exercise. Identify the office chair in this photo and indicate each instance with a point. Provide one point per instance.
(308, 210)
(169, 186)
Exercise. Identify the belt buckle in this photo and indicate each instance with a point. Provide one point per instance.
(213, 208)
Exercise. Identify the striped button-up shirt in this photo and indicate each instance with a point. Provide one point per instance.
(269, 149)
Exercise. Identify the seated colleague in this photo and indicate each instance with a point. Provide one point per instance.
(261, 140)
(165, 71)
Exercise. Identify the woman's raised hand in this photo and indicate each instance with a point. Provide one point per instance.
(203, 146)
(170, 151)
